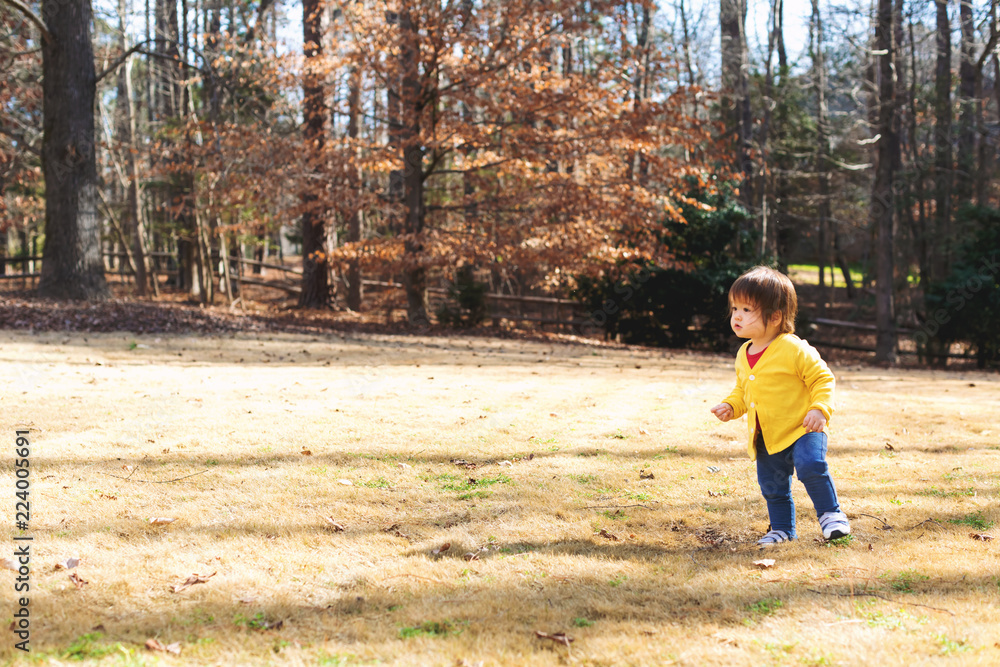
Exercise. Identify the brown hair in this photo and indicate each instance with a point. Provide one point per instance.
(769, 290)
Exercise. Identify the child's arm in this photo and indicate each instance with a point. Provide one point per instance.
(819, 380)
(723, 411)
(815, 421)
(733, 407)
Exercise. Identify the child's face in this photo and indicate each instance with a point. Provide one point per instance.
(747, 321)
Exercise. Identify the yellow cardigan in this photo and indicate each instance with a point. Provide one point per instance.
(786, 382)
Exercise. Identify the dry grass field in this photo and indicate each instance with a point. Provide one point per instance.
(585, 490)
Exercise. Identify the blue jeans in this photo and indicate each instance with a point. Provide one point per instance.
(807, 458)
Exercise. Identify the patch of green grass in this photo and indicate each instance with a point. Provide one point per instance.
(472, 487)
(948, 646)
(765, 607)
(585, 479)
(941, 493)
(618, 435)
(258, 621)
(670, 449)
(443, 628)
(580, 622)
(617, 515)
(902, 582)
(618, 580)
(896, 620)
(380, 483)
(89, 647)
(335, 659)
(844, 541)
(975, 520)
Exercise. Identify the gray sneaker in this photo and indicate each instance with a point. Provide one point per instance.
(774, 537)
(834, 525)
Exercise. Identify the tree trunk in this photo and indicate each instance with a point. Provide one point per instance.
(315, 274)
(942, 150)
(822, 151)
(414, 271)
(987, 148)
(636, 162)
(72, 267)
(967, 104)
(882, 191)
(735, 92)
(355, 293)
(126, 134)
(765, 131)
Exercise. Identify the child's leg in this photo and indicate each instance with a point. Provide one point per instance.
(774, 474)
(814, 473)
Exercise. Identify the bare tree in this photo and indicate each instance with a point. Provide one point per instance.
(72, 267)
(943, 167)
(315, 273)
(883, 203)
(735, 89)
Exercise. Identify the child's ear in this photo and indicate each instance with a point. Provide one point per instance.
(776, 318)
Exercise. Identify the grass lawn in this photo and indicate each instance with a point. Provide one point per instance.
(438, 501)
(808, 274)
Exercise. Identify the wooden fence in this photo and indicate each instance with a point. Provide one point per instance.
(563, 314)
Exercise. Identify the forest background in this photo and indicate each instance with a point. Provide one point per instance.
(633, 155)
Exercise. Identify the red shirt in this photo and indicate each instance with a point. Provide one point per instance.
(752, 360)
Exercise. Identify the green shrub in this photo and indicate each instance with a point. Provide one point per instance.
(965, 306)
(466, 305)
(674, 307)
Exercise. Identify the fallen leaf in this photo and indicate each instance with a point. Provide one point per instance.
(506, 464)
(404, 466)
(77, 581)
(643, 431)
(337, 528)
(160, 521)
(192, 580)
(645, 475)
(346, 482)
(716, 494)
(472, 555)
(610, 536)
(441, 549)
(553, 414)
(306, 452)
(889, 447)
(557, 637)
(981, 536)
(156, 645)
(764, 563)
(9, 564)
(67, 564)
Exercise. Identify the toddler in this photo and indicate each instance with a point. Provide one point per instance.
(786, 390)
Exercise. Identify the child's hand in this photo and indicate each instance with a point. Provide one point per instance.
(723, 411)
(815, 421)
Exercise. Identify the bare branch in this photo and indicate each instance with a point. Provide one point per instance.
(31, 16)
